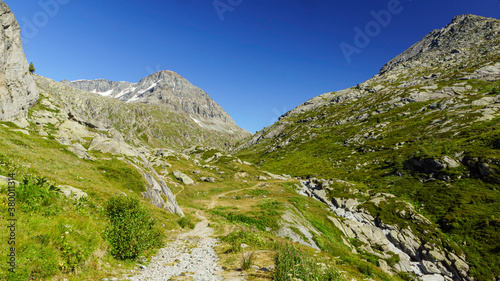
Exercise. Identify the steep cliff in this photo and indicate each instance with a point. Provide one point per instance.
(18, 91)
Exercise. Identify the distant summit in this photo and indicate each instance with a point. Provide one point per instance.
(165, 88)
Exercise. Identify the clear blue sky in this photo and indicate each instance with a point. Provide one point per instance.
(256, 58)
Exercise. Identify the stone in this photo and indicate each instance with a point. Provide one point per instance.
(182, 177)
(72, 192)
(461, 266)
(430, 267)
(73, 131)
(18, 91)
(435, 256)
(80, 151)
(484, 101)
(262, 178)
(384, 266)
(107, 145)
(433, 277)
(207, 179)
(268, 268)
(42, 133)
(241, 175)
(450, 162)
(21, 131)
(159, 152)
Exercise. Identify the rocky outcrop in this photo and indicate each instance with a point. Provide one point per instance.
(158, 191)
(426, 260)
(18, 91)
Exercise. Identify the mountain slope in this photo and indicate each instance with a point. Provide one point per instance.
(171, 90)
(424, 129)
(156, 124)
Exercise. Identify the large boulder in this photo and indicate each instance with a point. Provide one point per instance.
(18, 91)
(112, 146)
(425, 165)
(182, 177)
(72, 192)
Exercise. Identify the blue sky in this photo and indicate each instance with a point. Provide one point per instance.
(257, 59)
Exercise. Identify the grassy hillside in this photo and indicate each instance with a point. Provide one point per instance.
(426, 131)
(58, 237)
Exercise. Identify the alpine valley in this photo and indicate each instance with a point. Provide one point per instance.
(396, 178)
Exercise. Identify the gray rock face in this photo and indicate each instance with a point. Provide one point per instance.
(158, 190)
(428, 263)
(18, 91)
(165, 88)
(99, 86)
(463, 33)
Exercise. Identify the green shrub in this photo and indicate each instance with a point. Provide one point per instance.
(365, 268)
(185, 221)
(35, 192)
(131, 230)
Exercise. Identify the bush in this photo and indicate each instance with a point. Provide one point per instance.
(35, 192)
(185, 221)
(131, 230)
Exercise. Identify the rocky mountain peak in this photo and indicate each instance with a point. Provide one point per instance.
(18, 91)
(461, 38)
(169, 89)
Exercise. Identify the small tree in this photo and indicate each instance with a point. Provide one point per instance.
(32, 68)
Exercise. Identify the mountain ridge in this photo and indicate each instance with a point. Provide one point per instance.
(167, 88)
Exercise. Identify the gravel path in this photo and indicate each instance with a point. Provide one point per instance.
(191, 257)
